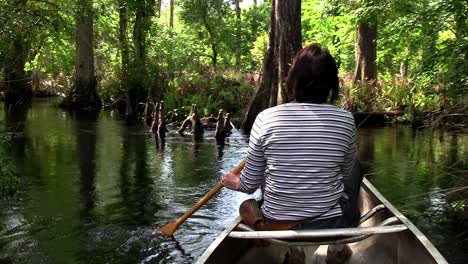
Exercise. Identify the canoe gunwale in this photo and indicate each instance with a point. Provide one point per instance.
(374, 194)
(219, 239)
(351, 234)
(438, 258)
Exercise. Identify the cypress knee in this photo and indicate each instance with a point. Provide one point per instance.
(162, 121)
(219, 134)
(155, 117)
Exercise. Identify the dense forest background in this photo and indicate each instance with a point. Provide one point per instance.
(403, 56)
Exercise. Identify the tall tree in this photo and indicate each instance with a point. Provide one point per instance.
(123, 41)
(288, 23)
(144, 9)
(18, 88)
(238, 35)
(171, 15)
(84, 95)
(366, 53)
(268, 76)
(284, 40)
(365, 70)
(208, 19)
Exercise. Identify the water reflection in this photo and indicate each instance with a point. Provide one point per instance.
(419, 171)
(94, 188)
(85, 129)
(135, 183)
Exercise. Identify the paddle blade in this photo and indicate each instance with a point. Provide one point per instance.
(168, 229)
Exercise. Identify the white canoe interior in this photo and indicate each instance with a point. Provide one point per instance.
(384, 236)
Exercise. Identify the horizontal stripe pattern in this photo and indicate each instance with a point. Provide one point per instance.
(298, 153)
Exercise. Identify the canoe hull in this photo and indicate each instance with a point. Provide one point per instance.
(409, 246)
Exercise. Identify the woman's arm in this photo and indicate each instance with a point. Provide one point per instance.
(253, 173)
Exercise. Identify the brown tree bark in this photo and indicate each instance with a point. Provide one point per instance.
(284, 41)
(84, 95)
(366, 53)
(193, 121)
(268, 75)
(288, 21)
(219, 133)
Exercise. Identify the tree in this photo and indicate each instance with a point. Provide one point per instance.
(18, 88)
(143, 9)
(288, 23)
(366, 53)
(84, 95)
(268, 77)
(284, 40)
(208, 19)
(123, 41)
(238, 35)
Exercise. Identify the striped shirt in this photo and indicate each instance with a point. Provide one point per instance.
(298, 153)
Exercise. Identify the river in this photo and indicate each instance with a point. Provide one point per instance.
(93, 188)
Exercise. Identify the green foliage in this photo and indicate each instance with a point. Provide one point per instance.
(421, 48)
(210, 93)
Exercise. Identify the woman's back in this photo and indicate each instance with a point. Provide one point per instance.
(307, 148)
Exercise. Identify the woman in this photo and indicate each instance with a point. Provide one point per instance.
(301, 152)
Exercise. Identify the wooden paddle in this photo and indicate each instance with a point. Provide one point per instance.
(169, 229)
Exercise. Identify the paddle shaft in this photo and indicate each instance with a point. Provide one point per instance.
(204, 199)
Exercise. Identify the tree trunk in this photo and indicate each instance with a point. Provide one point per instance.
(18, 88)
(171, 15)
(136, 90)
(238, 36)
(288, 21)
(123, 26)
(268, 75)
(159, 5)
(84, 95)
(366, 53)
(214, 48)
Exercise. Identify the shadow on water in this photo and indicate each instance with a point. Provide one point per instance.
(85, 130)
(135, 184)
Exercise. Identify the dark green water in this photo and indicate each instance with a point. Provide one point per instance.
(93, 188)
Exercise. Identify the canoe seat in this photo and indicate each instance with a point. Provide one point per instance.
(316, 237)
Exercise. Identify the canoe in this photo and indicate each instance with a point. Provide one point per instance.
(384, 236)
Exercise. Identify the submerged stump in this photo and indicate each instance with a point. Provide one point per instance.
(155, 117)
(228, 126)
(220, 134)
(194, 121)
(162, 129)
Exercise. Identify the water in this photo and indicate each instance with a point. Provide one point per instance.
(93, 189)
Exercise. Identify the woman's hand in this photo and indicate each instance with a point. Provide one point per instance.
(230, 180)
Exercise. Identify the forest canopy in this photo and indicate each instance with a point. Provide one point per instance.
(393, 55)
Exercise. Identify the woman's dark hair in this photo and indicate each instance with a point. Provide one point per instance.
(313, 76)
